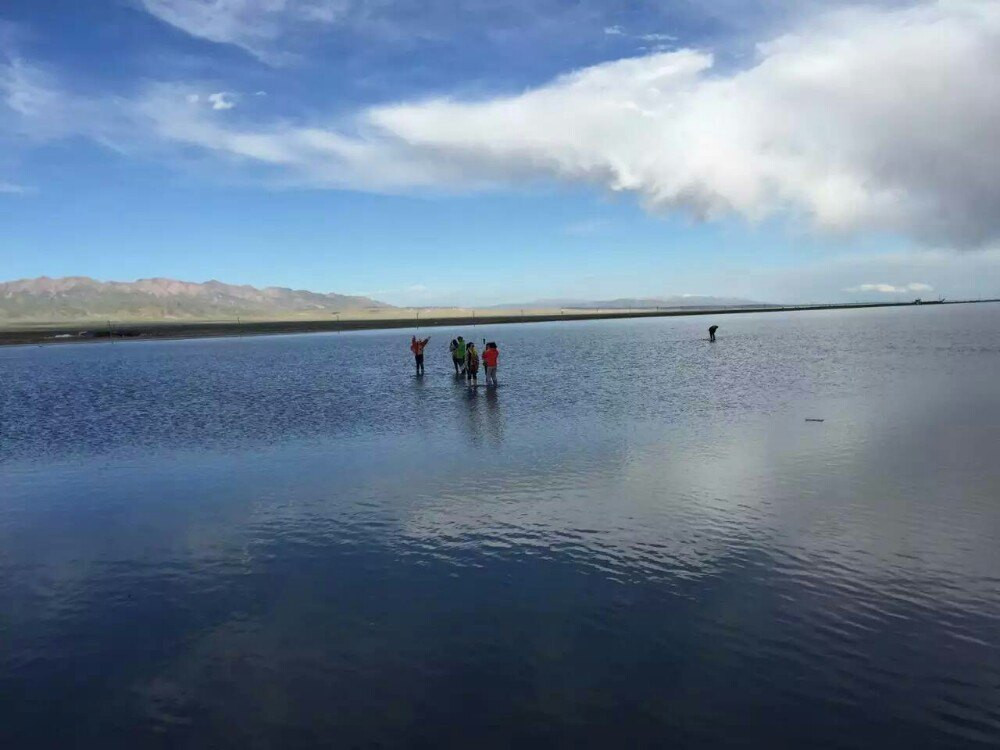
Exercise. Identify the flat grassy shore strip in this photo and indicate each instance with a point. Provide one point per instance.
(92, 331)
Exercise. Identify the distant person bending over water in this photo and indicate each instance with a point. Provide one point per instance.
(711, 332)
(417, 347)
(490, 357)
(472, 363)
(459, 355)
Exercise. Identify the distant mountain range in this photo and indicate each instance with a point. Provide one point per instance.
(78, 298)
(639, 303)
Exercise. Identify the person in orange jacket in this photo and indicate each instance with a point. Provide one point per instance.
(491, 356)
(417, 347)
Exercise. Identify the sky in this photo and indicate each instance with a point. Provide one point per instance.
(441, 152)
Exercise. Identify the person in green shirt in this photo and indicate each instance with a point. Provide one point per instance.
(459, 354)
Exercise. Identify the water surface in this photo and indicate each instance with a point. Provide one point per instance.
(638, 539)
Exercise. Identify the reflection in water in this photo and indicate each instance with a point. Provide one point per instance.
(494, 416)
(280, 544)
(471, 418)
(481, 416)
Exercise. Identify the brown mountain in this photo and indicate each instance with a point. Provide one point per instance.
(80, 298)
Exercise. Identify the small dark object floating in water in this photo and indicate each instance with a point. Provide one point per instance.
(812, 419)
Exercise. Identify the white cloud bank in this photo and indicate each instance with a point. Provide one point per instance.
(865, 119)
(868, 119)
(891, 288)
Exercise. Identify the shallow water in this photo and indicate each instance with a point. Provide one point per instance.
(638, 539)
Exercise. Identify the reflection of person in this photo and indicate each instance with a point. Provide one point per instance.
(711, 332)
(417, 347)
(472, 363)
(490, 357)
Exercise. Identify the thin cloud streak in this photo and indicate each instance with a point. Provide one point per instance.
(253, 25)
(884, 288)
(10, 188)
(586, 227)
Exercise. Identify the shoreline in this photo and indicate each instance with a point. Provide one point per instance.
(64, 333)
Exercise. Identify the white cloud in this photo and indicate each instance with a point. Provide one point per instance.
(222, 100)
(250, 24)
(585, 227)
(299, 155)
(10, 188)
(865, 119)
(884, 288)
(651, 37)
(851, 122)
(27, 91)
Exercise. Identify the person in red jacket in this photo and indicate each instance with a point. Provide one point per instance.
(490, 357)
(417, 347)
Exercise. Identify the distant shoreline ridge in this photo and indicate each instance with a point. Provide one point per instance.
(15, 334)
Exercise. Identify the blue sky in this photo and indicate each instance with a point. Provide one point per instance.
(483, 152)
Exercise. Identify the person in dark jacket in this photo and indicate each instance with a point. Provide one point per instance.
(472, 363)
(711, 332)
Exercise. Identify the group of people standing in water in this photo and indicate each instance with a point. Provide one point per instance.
(465, 357)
